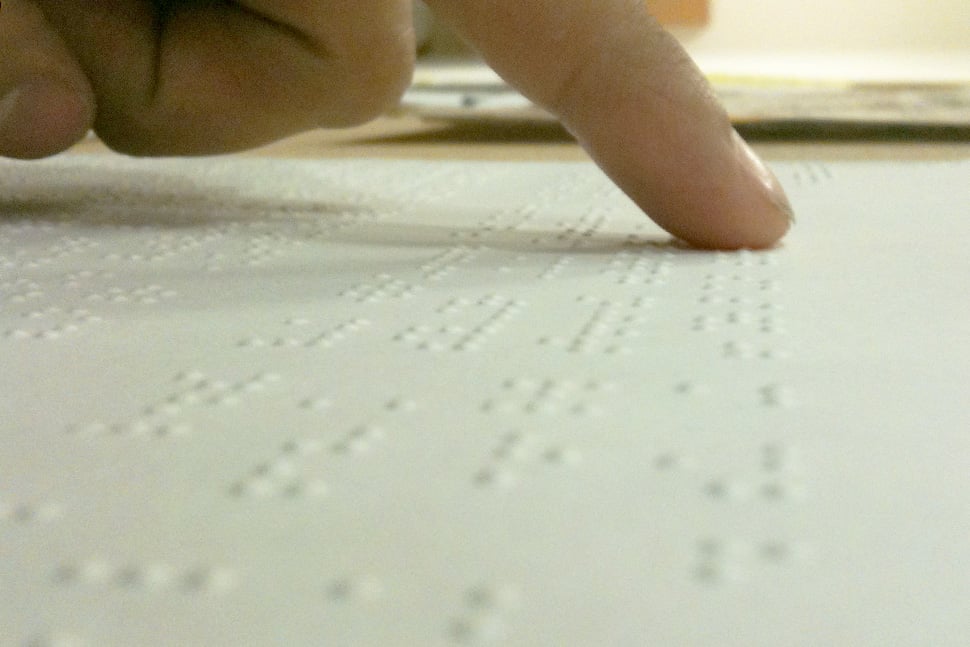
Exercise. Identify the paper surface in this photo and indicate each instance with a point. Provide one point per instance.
(797, 99)
(251, 402)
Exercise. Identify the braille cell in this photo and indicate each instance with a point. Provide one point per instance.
(380, 289)
(611, 328)
(520, 453)
(645, 268)
(447, 262)
(299, 333)
(141, 295)
(284, 476)
(547, 396)
(462, 324)
(556, 269)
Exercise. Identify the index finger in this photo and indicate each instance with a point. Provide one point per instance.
(636, 102)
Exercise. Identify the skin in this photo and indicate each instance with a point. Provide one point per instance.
(192, 77)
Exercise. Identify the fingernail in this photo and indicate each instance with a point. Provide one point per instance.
(768, 180)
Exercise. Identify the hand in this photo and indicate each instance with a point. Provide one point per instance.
(207, 76)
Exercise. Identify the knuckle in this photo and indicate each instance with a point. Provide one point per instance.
(333, 90)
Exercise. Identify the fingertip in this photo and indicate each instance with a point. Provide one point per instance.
(42, 116)
(708, 188)
(770, 222)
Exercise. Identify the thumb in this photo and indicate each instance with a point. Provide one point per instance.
(46, 103)
(636, 102)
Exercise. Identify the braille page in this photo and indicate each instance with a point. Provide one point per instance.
(372, 403)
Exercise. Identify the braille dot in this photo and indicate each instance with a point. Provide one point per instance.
(495, 477)
(316, 404)
(774, 551)
(66, 574)
(22, 514)
(772, 457)
(563, 456)
(723, 489)
(339, 590)
(129, 577)
(96, 571)
(366, 589)
(716, 489)
(400, 404)
(773, 491)
(690, 388)
(208, 580)
(707, 573)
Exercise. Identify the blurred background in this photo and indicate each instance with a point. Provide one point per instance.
(800, 36)
(805, 67)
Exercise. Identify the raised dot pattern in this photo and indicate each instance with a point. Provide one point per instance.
(462, 324)
(157, 577)
(170, 415)
(51, 323)
(612, 327)
(302, 333)
(284, 475)
(296, 470)
(531, 345)
(518, 452)
(548, 396)
(380, 289)
(485, 615)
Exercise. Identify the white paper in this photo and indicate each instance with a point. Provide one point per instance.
(251, 402)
